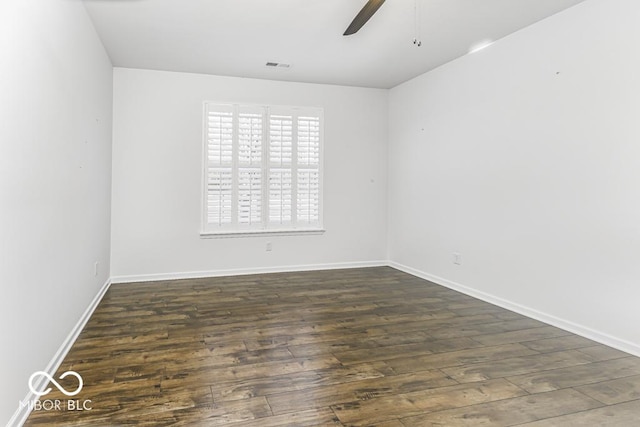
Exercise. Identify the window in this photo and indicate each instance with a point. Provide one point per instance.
(262, 169)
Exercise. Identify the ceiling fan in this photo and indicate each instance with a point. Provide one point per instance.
(363, 16)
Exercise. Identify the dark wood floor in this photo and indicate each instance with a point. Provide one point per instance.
(362, 347)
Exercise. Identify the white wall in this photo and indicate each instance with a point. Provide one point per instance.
(157, 160)
(525, 158)
(55, 160)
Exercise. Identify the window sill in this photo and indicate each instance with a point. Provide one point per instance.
(258, 233)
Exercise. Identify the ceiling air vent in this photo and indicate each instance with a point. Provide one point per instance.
(277, 65)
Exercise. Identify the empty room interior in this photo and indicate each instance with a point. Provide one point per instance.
(335, 213)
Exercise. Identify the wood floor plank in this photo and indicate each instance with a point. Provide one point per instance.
(277, 384)
(310, 418)
(193, 373)
(341, 344)
(602, 352)
(217, 415)
(508, 412)
(517, 366)
(359, 413)
(357, 391)
(621, 415)
(614, 391)
(484, 329)
(549, 345)
(521, 335)
(461, 358)
(354, 347)
(390, 423)
(572, 376)
(384, 352)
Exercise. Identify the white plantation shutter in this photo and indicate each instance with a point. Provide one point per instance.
(262, 169)
(308, 189)
(219, 195)
(280, 174)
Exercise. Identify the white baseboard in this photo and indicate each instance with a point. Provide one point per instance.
(22, 413)
(567, 325)
(244, 271)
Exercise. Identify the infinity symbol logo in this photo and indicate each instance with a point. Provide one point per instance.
(50, 378)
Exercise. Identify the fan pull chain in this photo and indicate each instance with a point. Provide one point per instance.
(416, 25)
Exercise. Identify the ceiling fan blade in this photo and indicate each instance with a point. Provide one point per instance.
(363, 16)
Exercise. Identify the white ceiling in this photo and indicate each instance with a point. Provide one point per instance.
(237, 37)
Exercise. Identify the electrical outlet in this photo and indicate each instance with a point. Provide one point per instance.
(269, 247)
(457, 258)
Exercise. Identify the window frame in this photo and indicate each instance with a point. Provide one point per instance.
(238, 230)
